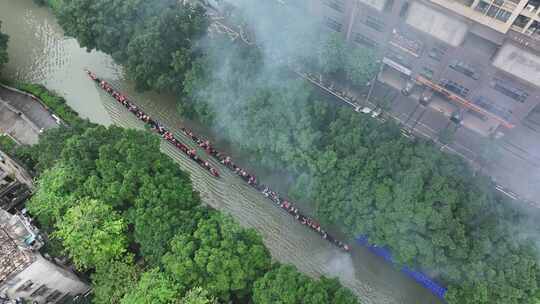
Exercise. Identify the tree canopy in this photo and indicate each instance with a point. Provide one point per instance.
(113, 280)
(219, 256)
(120, 207)
(92, 233)
(3, 47)
(285, 285)
(153, 287)
(154, 39)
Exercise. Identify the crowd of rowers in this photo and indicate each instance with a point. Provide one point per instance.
(279, 201)
(154, 125)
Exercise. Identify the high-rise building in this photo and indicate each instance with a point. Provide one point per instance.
(480, 57)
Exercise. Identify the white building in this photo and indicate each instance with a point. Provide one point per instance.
(25, 273)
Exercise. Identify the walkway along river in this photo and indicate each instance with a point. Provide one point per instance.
(40, 53)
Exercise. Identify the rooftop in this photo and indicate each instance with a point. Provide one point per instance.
(18, 240)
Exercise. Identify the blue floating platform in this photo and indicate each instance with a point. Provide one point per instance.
(418, 276)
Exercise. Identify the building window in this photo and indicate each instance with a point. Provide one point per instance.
(521, 21)
(406, 43)
(366, 41)
(465, 69)
(504, 88)
(375, 23)
(53, 296)
(455, 87)
(400, 59)
(482, 7)
(494, 10)
(335, 4)
(333, 24)
(67, 298)
(503, 15)
(26, 286)
(40, 291)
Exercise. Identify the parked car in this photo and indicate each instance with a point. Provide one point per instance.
(364, 110)
(426, 97)
(408, 88)
(376, 113)
(456, 118)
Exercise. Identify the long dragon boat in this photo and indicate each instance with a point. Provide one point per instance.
(154, 125)
(278, 200)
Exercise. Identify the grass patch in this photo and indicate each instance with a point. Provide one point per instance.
(57, 104)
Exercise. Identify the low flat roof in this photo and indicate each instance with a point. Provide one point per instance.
(437, 24)
(518, 62)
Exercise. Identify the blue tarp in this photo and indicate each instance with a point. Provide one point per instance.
(419, 277)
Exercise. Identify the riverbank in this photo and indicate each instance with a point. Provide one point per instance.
(49, 101)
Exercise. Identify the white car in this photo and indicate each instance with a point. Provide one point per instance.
(364, 110)
(376, 113)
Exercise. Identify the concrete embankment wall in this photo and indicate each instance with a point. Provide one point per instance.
(23, 115)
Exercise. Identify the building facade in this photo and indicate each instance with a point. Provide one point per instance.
(15, 183)
(480, 59)
(24, 273)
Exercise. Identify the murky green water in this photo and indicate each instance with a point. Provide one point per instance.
(39, 52)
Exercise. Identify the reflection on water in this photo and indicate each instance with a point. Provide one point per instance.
(40, 53)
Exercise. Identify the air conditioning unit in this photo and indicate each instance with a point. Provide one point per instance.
(530, 7)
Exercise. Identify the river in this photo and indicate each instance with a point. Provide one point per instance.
(40, 53)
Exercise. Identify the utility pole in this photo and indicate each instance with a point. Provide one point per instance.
(418, 119)
(374, 80)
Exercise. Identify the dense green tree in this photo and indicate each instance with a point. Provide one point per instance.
(198, 296)
(160, 55)
(121, 167)
(285, 285)
(154, 287)
(55, 195)
(44, 155)
(154, 39)
(361, 65)
(92, 233)
(332, 54)
(3, 47)
(106, 25)
(113, 280)
(219, 256)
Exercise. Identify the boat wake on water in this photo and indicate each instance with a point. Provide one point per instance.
(278, 200)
